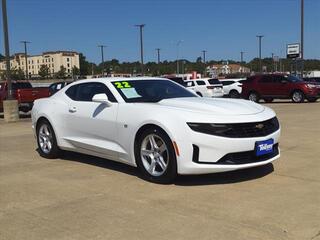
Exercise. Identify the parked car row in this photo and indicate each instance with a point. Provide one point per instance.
(24, 93)
(264, 86)
(279, 86)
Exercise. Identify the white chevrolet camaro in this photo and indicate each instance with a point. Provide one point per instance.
(156, 125)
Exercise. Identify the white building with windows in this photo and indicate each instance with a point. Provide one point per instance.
(53, 60)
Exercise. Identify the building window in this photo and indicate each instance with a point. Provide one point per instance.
(52, 65)
(68, 65)
(67, 59)
(68, 70)
(52, 59)
(29, 61)
(38, 61)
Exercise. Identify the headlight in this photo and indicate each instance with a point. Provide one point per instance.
(210, 128)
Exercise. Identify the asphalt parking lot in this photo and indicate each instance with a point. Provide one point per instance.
(84, 197)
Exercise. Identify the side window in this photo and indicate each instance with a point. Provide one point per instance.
(227, 83)
(279, 79)
(86, 91)
(266, 79)
(190, 84)
(72, 92)
(201, 83)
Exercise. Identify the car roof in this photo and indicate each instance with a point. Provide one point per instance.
(112, 79)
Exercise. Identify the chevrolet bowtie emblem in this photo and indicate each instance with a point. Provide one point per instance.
(259, 126)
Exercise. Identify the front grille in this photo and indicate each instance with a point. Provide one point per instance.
(238, 130)
(247, 157)
(256, 129)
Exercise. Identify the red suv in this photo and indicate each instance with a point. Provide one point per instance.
(271, 86)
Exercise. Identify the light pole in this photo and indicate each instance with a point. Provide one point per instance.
(158, 54)
(141, 26)
(241, 59)
(178, 44)
(260, 60)
(102, 57)
(272, 58)
(204, 62)
(10, 105)
(6, 47)
(26, 57)
(302, 36)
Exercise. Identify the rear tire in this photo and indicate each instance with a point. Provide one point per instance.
(234, 94)
(297, 97)
(254, 97)
(155, 156)
(46, 139)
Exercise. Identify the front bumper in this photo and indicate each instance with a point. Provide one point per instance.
(213, 149)
(313, 93)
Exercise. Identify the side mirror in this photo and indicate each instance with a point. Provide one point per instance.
(101, 98)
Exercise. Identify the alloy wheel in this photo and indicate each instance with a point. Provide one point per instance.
(297, 96)
(154, 155)
(45, 138)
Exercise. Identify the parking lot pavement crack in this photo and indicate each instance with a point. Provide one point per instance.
(316, 236)
(298, 178)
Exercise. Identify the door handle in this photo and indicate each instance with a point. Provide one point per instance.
(72, 109)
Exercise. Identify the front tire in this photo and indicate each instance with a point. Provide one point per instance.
(46, 139)
(312, 99)
(254, 97)
(155, 156)
(297, 97)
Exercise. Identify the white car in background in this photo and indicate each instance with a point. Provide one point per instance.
(232, 87)
(205, 87)
(156, 125)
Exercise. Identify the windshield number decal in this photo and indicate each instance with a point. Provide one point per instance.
(122, 85)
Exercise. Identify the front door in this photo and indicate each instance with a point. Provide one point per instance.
(92, 125)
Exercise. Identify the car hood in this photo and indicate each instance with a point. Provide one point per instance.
(214, 105)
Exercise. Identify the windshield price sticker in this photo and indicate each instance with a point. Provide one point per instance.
(122, 85)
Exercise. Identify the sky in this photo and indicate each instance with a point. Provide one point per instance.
(223, 28)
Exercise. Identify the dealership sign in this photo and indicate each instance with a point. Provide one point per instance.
(293, 50)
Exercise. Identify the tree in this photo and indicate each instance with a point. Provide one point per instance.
(16, 74)
(75, 71)
(85, 66)
(61, 74)
(1, 57)
(44, 71)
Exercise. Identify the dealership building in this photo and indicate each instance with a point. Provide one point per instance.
(53, 60)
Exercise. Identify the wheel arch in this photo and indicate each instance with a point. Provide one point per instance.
(147, 126)
(296, 90)
(46, 118)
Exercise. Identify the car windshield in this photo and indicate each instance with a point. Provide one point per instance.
(213, 81)
(150, 90)
(292, 78)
